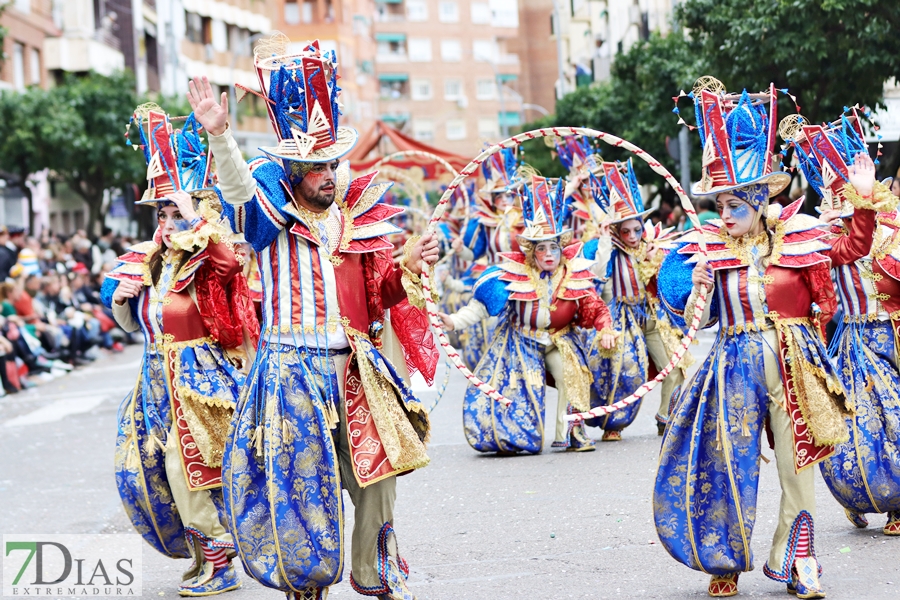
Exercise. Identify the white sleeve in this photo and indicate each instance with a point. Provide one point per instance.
(235, 181)
(469, 314)
(123, 316)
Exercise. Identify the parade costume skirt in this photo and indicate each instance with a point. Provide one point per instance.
(704, 499)
(282, 484)
(198, 386)
(514, 365)
(864, 473)
(623, 369)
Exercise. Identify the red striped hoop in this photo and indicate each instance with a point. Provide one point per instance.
(563, 132)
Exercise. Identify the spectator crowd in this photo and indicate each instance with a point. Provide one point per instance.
(51, 316)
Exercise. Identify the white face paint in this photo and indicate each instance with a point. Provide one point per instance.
(170, 221)
(547, 255)
(737, 215)
(502, 201)
(630, 232)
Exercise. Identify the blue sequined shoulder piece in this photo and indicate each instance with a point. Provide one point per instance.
(675, 285)
(589, 250)
(491, 291)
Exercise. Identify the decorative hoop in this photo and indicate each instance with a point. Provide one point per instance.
(422, 154)
(562, 132)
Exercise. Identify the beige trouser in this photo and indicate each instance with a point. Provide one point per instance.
(661, 357)
(554, 363)
(373, 505)
(797, 489)
(195, 507)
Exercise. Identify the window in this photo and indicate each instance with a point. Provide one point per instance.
(23, 6)
(456, 129)
(484, 50)
(488, 128)
(481, 13)
(420, 49)
(392, 88)
(395, 48)
(416, 10)
(194, 27)
(306, 13)
(291, 12)
(451, 51)
(485, 89)
(421, 89)
(453, 89)
(423, 130)
(219, 36)
(34, 65)
(19, 66)
(448, 12)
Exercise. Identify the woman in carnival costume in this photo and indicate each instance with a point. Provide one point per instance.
(539, 295)
(494, 222)
(768, 277)
(185, 292)
(864, 472)
(580, 158)
(326, 406)
(627, 257)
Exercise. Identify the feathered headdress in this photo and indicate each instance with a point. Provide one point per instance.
(618, 193)
(301, 92)
(544, 209)
(500, 172)
(738, 136)
(825, 153)
(177, 159)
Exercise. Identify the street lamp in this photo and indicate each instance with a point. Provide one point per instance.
(537, 108)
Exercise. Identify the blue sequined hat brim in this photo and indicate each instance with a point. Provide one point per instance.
(777, 182)
(346, 140)
(197, 195)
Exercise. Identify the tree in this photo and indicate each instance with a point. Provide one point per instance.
(95, 157)
(829, 53)
(34, 126)
(634, 104)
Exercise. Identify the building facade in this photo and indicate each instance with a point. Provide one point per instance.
(28, 24)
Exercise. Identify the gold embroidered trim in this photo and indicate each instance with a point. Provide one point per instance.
(412, 283)
(867, 318)
(576, 376)
(881, 200)
(329, 327)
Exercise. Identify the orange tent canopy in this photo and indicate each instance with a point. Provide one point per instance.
(369, 141)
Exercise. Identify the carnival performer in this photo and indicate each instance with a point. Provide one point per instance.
(627, 254)
(325, 406)
(580, 158)
(768, 277)
(864, 472)
(494, 222)
(538, 295)
(185, 292)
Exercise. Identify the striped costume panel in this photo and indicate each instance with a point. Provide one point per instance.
(742, 297)
(855, 285)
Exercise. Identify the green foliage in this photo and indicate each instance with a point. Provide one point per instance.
(33, 126)
(95, 157)
(634, 104)
(829, 53)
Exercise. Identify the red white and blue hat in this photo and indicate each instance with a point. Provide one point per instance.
(177, 159)
(738, 136)
(617, 192)
(825, 153)
(300, 90)
(544, 210)
(501, 172)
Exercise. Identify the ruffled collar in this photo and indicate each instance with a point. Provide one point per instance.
(572, 280)
(798, 240)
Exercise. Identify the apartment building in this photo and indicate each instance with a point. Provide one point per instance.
(344, 26)
(445, 70)
(28, 24)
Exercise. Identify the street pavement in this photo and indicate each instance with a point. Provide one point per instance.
(472, 526)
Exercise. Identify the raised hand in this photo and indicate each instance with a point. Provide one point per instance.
(212, 115)
(702, 274)
(862, 174)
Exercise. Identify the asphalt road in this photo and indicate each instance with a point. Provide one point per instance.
(472, 526)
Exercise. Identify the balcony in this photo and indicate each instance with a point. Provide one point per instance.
(77, 55)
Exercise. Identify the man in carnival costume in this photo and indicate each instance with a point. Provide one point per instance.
(184, 291)
(864, 472)
(324, 406)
